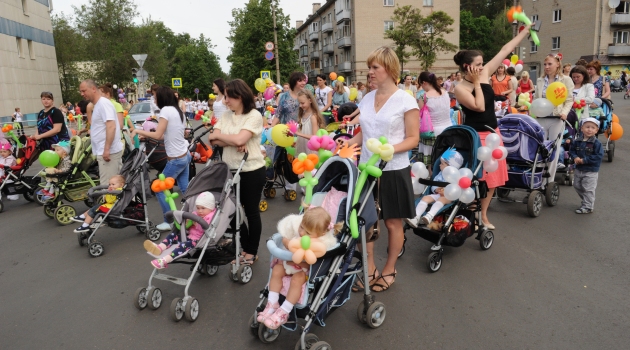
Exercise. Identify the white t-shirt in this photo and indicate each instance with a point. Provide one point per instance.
(154, 108)
(189, 107)
(174, 141)
(321, 95)
(18, 116)
(388, 122)
(219, 108)
(104, 111)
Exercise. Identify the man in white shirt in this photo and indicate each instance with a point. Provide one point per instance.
(104, 131)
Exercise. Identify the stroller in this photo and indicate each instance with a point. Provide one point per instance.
(456, 221)
(533, 147)
(74, 184)
(331, 277)
(282, 175)
(216, 247)
(14, 181)
(605, 125)
(130, 207)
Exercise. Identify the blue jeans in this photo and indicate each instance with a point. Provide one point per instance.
(177, 169)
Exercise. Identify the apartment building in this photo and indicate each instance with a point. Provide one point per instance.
(590, 29)
(340, 34)
(28, 63)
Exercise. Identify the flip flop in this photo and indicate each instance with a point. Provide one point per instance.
(386, 285)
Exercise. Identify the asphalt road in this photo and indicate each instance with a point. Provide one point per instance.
(559, 281)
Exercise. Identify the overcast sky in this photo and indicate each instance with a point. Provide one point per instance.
(209, 17)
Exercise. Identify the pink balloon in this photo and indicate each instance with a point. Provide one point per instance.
(464, 182)
(321, 142)
(268, 94)
(519, 62)
(497, 153)
(506, 62)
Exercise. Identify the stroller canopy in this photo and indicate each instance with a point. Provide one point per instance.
(212, 178)
(464, 139)
(522, 137)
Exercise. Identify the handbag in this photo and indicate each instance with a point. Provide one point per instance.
(426, 126)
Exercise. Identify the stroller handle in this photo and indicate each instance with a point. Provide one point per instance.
(170, 217)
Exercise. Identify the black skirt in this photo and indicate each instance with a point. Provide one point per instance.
(396, 194)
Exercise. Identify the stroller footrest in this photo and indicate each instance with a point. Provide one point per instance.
(176, 280)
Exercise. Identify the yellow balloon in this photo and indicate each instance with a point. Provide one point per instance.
(409, 92)
(514, 59)
(353, 93)
(279, 136)
(341, 79)
(260, 85)
(557, 93)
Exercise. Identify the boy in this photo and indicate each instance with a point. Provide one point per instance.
(587, 154)
(595, 109)
(116, 183)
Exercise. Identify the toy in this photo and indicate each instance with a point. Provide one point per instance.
(306, 249)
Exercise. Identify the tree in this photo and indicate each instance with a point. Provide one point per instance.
(407, 21)
(488, 8)
(251, 28)
(68, 49)
(501, 32)
(198, 66)
(429, 41)
(475, 33)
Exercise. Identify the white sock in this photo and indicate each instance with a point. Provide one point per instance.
(82, 216)
(273, 297)
(436, 207)
(422, 206)
(84, 225)
(286, 306)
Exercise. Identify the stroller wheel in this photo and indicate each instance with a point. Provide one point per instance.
(29, 196)
(434, 262)
(290, 195)
(64, 214)
(310, 339)
(89, 202)
(153, 234)
(253, 325)
(140, 300)
(267, 335)
(49, 211)
(82, 239)
(361, 312)
(486, 240)
(39, 200)
(156, 298)
(244, 274)
(552, 193)
(96, 249)
(611, 151)
(534, 203)
(192, 309)
(321, 345)
(569, 180)
(142, 228)
(503, 192)
(375, 315)
(270, 193)
(262, 206)
(177, 309)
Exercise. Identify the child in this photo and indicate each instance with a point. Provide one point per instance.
(287, 277)
(449, 157)
(65, 163)
(310, 120)
(116, 183)
(6, 157)
(587, 154)
(206, 207)
(17, 118)
(595, 109)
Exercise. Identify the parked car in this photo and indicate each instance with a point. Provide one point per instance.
(140, 112)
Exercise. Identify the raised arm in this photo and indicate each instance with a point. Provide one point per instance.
(497, 60)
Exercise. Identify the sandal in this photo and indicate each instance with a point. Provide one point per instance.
(583, 211)
(383, 287)
(244, 261)
(360, 288)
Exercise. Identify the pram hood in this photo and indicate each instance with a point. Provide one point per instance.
(464, 139)
(523, 136)
(342, 174)
(134, 166)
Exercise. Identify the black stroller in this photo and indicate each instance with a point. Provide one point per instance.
(282, 174)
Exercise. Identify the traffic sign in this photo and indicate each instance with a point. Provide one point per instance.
(269, 46)
(269, 55)
(140, 59)
(196, 90)
(176, 83)
(265, 74)
(142, 75)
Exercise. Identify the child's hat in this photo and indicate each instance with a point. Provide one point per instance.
(453, 158)
(5, 146)
(206, 200)
(598, 102)
(591, 120)
(65, 145)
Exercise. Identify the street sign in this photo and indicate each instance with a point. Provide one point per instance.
(176, 83)
(196, 90)
(269, 55)
(265, 74)
(142, 75)
(269, 46)
(140, 59)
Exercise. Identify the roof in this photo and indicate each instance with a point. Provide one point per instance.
(607, 60)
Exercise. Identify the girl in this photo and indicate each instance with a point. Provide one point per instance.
(65, 163)
(17, 118)
(438, 104)
(310, 120)
(287, 277)
(340, 96)
(205, 208)
(218, 106)
(6, 158)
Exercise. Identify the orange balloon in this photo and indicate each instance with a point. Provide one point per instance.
(74, 132)
(308, 165)
(615, 132)
(154, 187)
(510, 14)
(333, 76)
(10, 126)
(615, 119)
(313, 158)
(169, 182)
(298, 168)
(519, 8)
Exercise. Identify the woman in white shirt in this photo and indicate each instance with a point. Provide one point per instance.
(171, 125)
(439, 106)
(218, 106)
(407, 84)
(240, 131)
(582, 89)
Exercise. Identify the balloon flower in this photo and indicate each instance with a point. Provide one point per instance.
(165, 184)
(516, 13)
(418, 171)
(490, 154)
(459, 181)
(523, 100)
(579, 106)
(381, 150)
(348, 152)
(306, 249)
(8, 130)
(323, 144)
(71, 117)
(212, 121)
(304, 164)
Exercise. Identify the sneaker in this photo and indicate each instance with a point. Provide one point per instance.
(78, 218)
(413, 222)
(47, 197)
(583, 211)
(165, 226)
(276, 320)
(159, 264)
(561, 166)
(269, 310)
(427, 218)
(41, 192)
(152, 248)
(82, 229)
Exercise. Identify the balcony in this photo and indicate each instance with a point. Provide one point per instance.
(343, 15)
(619, 19)
(345, 66)
(303, 42)
(312, 73)
(327, 27)
(345, 41)
(315, 55)
(313, 36)
(328, 69)
(330, 48)
(619, 50)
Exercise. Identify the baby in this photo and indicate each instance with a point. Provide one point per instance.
(595, 109)
(65, 163)
(6, 157)
(205, 208)
(449, 157)
(287, 277)
(116, 182)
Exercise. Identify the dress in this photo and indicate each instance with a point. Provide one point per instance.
(306, 128)
(599, 87)
(287, 108)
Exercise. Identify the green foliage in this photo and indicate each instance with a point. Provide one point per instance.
(481, 33)
(68, 48)
(197, 66)
(429, 40)
(488, 8)
(251, 28)
(407, 20)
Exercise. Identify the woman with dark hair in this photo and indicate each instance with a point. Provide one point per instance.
(476, 97)
(219, 107)
(323, 94)
(171, 126)
(438, 103)
(582, 88)
(407, 84)
(288, 106)
(240, 131)
(51, 126)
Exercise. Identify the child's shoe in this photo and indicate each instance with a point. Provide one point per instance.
(78, 218)
(427, 218)
(413, 222)
(159, 264)
(152, 248)
(82, 229)
(276, 320)
(269, 310)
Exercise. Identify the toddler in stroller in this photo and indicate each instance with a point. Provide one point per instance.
(13, 167)
(116, 183)
(65, 163)
(6, 160)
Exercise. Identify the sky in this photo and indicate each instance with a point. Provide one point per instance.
(195, 17)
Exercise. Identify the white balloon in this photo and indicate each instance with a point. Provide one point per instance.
(451, 174)
(419, 170)
(452, 192)
(465, 172)
(504, 151)
(511, 64)
(541, 107)
(493, 141)
(418, 188)
(484, 153)
(467, 196)
(490, 165)
(518, 68)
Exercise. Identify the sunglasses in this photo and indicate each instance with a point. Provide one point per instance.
(556, 56)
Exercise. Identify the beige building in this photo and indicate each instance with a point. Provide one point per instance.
(340, 34)
(590, 29)
(28, 64)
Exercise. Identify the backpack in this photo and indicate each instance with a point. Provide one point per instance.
(426, 126)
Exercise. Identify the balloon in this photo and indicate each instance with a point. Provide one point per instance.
(49, 158)
(493, 141)
(504, 152)
(268, 94)
(291, 150)
(452, 192)
(519, 62)
(514, 59)
(332, 76)
(310, 88)
(353, 93)
(465, 172)
(467, 196)
(409, 92)
(541, 107)
(280, 137)
(497, 154)
(334, 82)
(557, 93)
(418, 188)
(616, 131)
(419, 170)
(511, 65)
(341, 79)
(506, 62)
(518, 68)
(464, 182)
(269, 82)
(490, 165)
(484, 153)
(259, 84)
(212, 97)
(615, 118)
(451, 174)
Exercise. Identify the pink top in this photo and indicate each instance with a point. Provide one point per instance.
(8, 161)
(196, 231)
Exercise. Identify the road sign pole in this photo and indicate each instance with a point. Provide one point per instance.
(275, 41)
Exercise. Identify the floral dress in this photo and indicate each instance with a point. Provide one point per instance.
(599, 87)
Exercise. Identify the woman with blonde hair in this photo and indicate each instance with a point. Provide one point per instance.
(525, 84)
(552, 72)
(340, 96)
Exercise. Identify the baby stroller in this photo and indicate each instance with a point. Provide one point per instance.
(283, 175)
(331, 277)
(456, 221)
(74, 184)
(533, 147)
(130, 207)
(604, 128)
(570, 131)
(216, 247)
(14, 181)
(616, 86)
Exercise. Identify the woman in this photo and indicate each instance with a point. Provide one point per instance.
(239, 131)
(323, 94)
(408, 85)
(390, 112)
(180, 102)
(288, 105)
(501, 84)
(566, 69)
(582, 89)
(171, 126)
(602, 87)
(511, 72)
(552, 72)
(525, 84)
(438, 104)
(477, 102)
(360, 91)
(219, 107)
(340, 96)
(51, 126)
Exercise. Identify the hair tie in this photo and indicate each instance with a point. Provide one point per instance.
(431, 75)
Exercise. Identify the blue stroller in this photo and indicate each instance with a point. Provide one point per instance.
(605, 124)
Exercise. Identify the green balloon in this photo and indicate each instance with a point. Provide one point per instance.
(305, 242)
(49, 159)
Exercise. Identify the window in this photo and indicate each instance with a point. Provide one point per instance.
(427, 2)
(330, 17)
(31, 53)
(533, 72)
(347, 4)
(555, 43)
(620, 37)
(388, 25)
(388, 2)
(532, 47)
(25, 7)
(428, 29)
(624, 7)
(534, 18)
(20, 49)
(557, 16)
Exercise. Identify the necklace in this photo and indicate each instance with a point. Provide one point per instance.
(468, 81)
